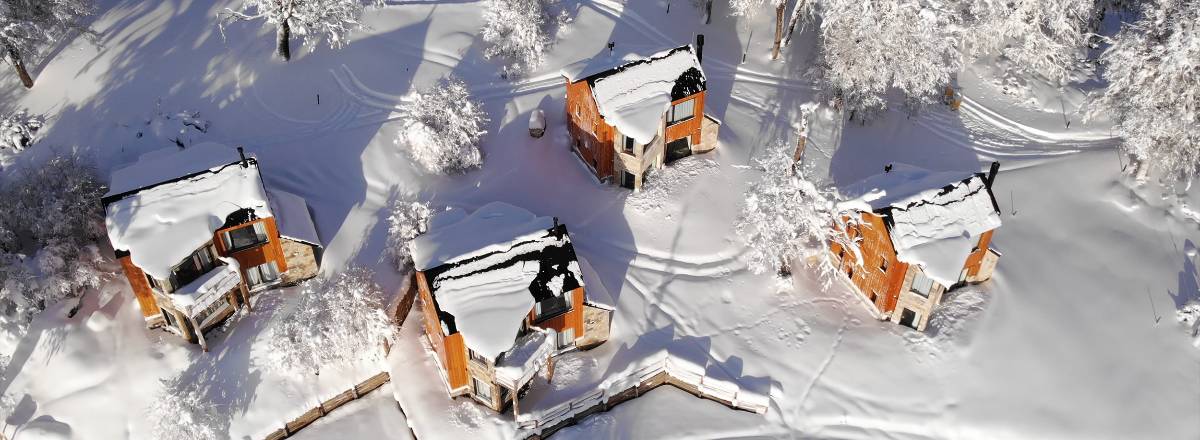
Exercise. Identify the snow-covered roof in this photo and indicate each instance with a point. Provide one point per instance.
(633, 96)
(486, 271)
(292, 217)
(527, 356)
(935, 217)
(160, 218)
(209, 287)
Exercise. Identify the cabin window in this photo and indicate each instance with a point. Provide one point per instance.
(628, 145)
(566, 338)
(241, 238)
(922, 284)
(483, 390)
(262, 274)
(909, 318)
(553, 306)
(682, 111)
(197, 264)
(627, 180)
(475, 356)
(872, 296)
(170, 319)
(883, 264)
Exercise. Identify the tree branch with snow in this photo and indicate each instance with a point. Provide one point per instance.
(786, 217)
(335, 321)
(26, 26)
(407, 218)
(442, 127)
(311, 20)
(519, 31)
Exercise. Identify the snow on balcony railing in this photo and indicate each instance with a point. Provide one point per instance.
(209, 288)
(528, 356)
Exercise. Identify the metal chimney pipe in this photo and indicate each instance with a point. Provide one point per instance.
(242, 155)
(700, 48)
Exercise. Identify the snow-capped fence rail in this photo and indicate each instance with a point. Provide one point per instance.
(667, 371)
(310, 416)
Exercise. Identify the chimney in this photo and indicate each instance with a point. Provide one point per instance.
(242, 154)
(991, 176)
(699, 48)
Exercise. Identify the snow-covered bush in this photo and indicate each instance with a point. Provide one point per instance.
(182, 411)
(312, 20)
(786, 217)
(26, 26)
(1152, 91)
(869, 48)
(1046, 37)
(519, 31)
(1189, 317)
(49, 231)
(336, 321)
(442, 127)
(407, 218)
(18, 129)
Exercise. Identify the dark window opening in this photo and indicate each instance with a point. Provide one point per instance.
(192, 267)
(681, 112)
(883, 264)
(244, 237)
(553, 306)
(908, 318)
(629, 144)
(627, 180)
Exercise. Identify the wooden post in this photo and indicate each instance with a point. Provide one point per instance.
(245, 296)
(779, 12)
(199, 333)
(515, 400)
(549, 368)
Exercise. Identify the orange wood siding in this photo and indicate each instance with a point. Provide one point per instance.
(876, 247)
(976, 258)
(594, 136)
(141, 287)
(451, 351)
(690, 127)
(272, 250)
(572, 319)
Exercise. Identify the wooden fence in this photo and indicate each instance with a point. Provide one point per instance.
(667, 371)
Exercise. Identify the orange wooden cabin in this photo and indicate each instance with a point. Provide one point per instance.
(501, 294)
(627, 119)
(196, 233)
(925, 233)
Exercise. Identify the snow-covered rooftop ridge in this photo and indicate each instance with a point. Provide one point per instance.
(633, 97)
(453, 235)
(292, 217)
(161, 225)
(170, 163)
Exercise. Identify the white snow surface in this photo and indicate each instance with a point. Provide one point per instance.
(943, 259)
(168, 163)
(488, 308)
(635, 99)
(453, 236)
(965, 210)
(161, 225)
(292, 216)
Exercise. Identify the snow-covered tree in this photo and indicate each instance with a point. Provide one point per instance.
(407, 218)
(182, 411)
(1153, 93)
(787, 217)
(869, 48)
(60, 258)
(312, 20)
(1047, 37)
(18, 129)
(26, 25)
(750, 8)
(518, 31)
(442, 127)
(336, 321)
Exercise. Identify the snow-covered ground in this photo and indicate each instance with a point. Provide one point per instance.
(1075, 336)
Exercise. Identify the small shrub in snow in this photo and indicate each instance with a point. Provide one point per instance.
(407, 219)
(336, 321)
(442, 127)
(182, 411)
(1152, 91)
(18, 129)
(786, 217)
(518, 31)
(1189, 317)
(164, 128)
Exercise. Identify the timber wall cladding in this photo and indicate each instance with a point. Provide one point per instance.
(140, 287)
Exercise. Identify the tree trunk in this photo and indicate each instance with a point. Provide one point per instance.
(14, 58)
(779, 11)
(283, 36)
(792, 23)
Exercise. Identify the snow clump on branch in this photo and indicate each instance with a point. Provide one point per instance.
(442, 127)
(407, 218)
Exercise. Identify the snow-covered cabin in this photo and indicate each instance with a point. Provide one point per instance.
(628, 117)
(502, 294)
(920, 233)
(197, 232)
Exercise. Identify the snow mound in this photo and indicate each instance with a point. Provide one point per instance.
(160, 224)
(634, 98)
(663, 186)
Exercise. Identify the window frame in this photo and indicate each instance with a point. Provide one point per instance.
(672, 116)
(567, 300)
(258, 228)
